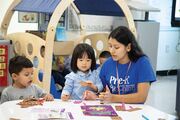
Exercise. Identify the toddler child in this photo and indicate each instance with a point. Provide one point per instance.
(83, 76)
(21, 71)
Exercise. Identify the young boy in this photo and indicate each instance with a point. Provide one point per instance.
(104, 55)
(21, 71)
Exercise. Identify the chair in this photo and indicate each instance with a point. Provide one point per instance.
(178, 94)
(53, 91)
(98, 41)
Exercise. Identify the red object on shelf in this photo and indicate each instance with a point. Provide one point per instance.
(3, 65)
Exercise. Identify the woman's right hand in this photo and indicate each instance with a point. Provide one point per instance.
(65, 97)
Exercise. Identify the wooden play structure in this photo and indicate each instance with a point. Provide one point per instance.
(30, 45)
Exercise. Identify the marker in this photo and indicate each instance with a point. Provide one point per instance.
(84, 103)
(98, 99)
(123, 106)
(101, 101)
(131, 107)
(145, 118)
(62, 110)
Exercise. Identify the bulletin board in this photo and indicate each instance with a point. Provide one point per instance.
(3, 65)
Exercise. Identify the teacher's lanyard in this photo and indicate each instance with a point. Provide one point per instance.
(117, 75)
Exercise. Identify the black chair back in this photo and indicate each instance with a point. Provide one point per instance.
(178, 94)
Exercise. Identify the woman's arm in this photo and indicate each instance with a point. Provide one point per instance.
(138, 97)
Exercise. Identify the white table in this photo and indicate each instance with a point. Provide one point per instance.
(12, 110)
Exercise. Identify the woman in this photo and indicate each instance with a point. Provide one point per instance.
(127, 75)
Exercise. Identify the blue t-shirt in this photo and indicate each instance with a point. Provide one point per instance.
(139, 71)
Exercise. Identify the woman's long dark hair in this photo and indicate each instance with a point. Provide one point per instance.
(124, 36)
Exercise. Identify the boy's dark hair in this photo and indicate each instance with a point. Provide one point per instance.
(105, 54)
(124, 36)
(17, 63)
(78, 52)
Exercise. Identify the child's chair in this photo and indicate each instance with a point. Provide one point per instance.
(53, 91)
(99, 41)
(31, 46)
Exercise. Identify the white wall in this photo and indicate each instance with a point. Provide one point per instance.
(169, 37)
(14, 25)
(137, 15)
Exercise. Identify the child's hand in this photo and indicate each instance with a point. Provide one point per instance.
(90, 84)
(86, 83)
(65, 97)
(48, 97)
(89, 95)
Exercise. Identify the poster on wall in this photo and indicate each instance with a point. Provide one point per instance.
(3, 65)
(27, 17)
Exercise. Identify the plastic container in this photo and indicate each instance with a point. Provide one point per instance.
(60, 34)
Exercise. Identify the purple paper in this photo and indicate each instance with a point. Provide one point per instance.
(98, 110)
(77, 101)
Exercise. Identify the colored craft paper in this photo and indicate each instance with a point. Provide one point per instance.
(98, 110)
